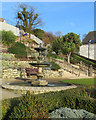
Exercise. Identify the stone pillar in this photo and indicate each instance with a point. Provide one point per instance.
(79, 69)
(91, 70)
(80, 66)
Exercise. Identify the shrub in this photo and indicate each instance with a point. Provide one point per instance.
(8, 38)
(54, 66)
(73, 98)
(7, 107)
(51, 55)
(77, 59)
(69, 98)
(19, 50)
(30, 107)
(6, 56)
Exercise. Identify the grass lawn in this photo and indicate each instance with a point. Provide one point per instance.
(88, 82)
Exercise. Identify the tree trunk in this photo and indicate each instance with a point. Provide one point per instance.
(29, 35)
(69, 57)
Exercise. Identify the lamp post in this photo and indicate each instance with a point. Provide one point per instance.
(20, 26)
(20, 33)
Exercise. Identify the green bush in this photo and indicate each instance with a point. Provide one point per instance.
(8, 38)
(19, 50)
(76, 59)
(31, 104)
(30, 107)
(73, 98)
(54, 66)
(51, 55)
(7, 107)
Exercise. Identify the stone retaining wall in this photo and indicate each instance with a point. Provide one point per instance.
(10, 70)
(53, 74)
(10, 73)
(6, 63)
(14, 73)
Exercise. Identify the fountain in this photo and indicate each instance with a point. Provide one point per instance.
(35, 86)
(40, 64)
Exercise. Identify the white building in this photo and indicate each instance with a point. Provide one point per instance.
(88, 49)
(5, 26)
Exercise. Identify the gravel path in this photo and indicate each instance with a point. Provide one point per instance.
(5, 94)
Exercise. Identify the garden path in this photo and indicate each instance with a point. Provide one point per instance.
(5, 94)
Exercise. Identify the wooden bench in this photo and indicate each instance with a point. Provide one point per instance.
(31, 71)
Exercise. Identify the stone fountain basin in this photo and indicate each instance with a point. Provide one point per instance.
(37, 89)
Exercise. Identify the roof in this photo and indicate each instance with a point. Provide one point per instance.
(90, 37)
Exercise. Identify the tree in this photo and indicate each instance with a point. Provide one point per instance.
(8, 38)
(27, 18)
(67, 48)
(72, 37)
(70, 43)
(58, 33)
(46, 37)
(56, 45)
(38, 33)
(51, 37)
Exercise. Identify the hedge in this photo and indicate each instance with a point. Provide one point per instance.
(19, 50)
(30, 107)
(55, 100)
(73, 98)
(77, 59)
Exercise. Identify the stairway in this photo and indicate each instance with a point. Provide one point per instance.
(72, 70)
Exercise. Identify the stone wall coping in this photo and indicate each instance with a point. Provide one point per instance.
(37, 89)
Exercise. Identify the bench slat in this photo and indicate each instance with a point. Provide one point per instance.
(31, 71)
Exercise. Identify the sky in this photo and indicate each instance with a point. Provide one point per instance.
(77, 17)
